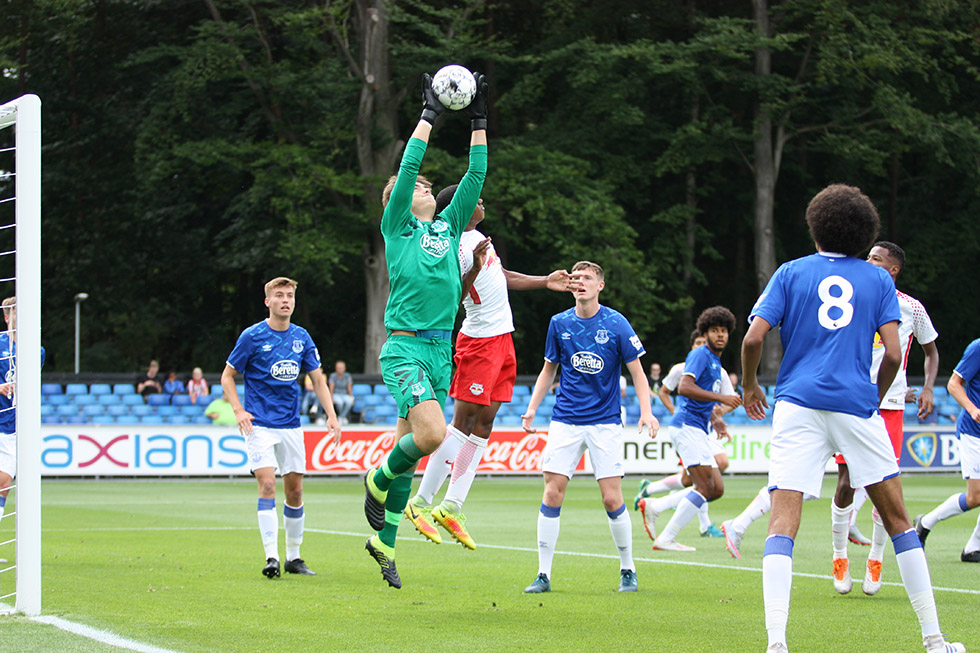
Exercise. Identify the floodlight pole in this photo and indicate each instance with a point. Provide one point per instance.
(79, 298)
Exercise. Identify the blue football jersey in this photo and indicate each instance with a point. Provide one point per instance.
(8, 371)
(969, 370)
(591, 353)
(828, 308)
(271, 362)
(705, 366)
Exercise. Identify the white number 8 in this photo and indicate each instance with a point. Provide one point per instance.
(829, 301)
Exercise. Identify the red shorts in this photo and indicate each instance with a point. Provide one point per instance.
(486, 369)
(895, 425)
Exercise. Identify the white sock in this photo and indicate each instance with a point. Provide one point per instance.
(860, 496)
(668, 502)
(759, 507)
(777, 583)
(269, 527)
(293, 520)
(686, 510)
(464, 471)
(955, 505)
(704, 521)
(974, 543)
(879, 536)
(672, 482)
(440, 462)
(548, 527)
(840, 519)
(622, 533)
(911, 561)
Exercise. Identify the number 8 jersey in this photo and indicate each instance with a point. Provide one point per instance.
(828, 308)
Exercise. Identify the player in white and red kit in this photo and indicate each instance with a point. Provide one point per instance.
(915, 324)
(486, 368)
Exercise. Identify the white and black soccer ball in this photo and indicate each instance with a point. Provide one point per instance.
(455, 87)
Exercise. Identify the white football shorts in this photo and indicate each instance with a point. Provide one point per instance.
(969, 455)
(8, 453)
(282, 448)
(716, 447)
(804, 439)
(693, 446)
(567, 442)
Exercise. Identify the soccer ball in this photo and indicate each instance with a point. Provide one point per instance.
(455, 87)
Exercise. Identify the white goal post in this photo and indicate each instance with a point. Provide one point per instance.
(23, 115)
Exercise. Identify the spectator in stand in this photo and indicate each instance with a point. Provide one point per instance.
(173, 385)
(342, 389)
(221, 412)
(197, 386)
(149, 383)
(655, 378)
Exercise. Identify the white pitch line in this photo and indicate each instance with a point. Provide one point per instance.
(606, 556)
(103, 636)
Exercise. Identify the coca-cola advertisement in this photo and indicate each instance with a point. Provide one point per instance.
(508, 452)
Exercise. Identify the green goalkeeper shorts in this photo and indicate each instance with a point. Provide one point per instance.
(416, 370)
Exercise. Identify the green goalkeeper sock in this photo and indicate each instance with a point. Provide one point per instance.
(398, 493)
(403, 457)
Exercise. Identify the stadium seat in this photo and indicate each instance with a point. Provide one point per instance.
(68, 410)
(521, 391)
(151, 419)
(56, 400)
(381, 389)
(109, 400)
(50, 388)
(76, 389)
(47, 409)
(50, 419)
(167, 411)
(192, 410)
(367, 415)
(240, 389)
(123, 389)
(103, 419)
(361, 389)
(117, 411)
(76, 419)
(180, 400)
(178, 419)
(93, 410)
(372, 400)
(201, 419)
(158, 399)
(133, 400)
(141, 410)
(100, 389)
(83, 400)
(304, 420)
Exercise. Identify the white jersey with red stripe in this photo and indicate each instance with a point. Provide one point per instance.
(915, 323)
(487, 305)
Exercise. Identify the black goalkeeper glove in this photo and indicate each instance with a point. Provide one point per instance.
(478, 107)
(432, 108)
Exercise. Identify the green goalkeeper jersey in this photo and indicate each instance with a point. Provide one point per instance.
(423, 257)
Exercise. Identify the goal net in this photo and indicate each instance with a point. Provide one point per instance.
(20, 277)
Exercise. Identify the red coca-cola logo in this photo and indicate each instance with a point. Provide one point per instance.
(510, 454)
(356, 452)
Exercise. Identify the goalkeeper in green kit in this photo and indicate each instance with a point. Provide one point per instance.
(416, 360)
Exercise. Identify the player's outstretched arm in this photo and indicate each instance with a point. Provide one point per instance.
(325, 397)
(559, 281)
(753, 396)
(958, 392)
(926, 400)
(545, 378)
(642, 386)
(242, 416)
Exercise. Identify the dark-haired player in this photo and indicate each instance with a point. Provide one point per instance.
(828, 306)
(701, 385)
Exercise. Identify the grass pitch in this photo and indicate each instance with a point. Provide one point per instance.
(176, 565)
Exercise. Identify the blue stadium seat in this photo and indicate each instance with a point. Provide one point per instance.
(304, 420)
(548, 400)
(216, 391)
(83, 400)
(373, 400)
(141, 410)
(47, 409)
(93, 410)
(201, 419)
(367, 415)
(103, 419)
(109, 400)
(192, 410)
(68, 410)
(659, 410)
(381, 389)
(361, 389)
(50, 419)
(385, 413)
(50, 388)
(133, 400)
(151, 419)
(158, 399)
(117, 411)
(167, 411)
(510, 420)
(180, 400)
(76, 419)
(240, 389)
(56, 400)
(100, 389)
(521, 391)
(178, 419)
(123, 389)
(76, 389)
